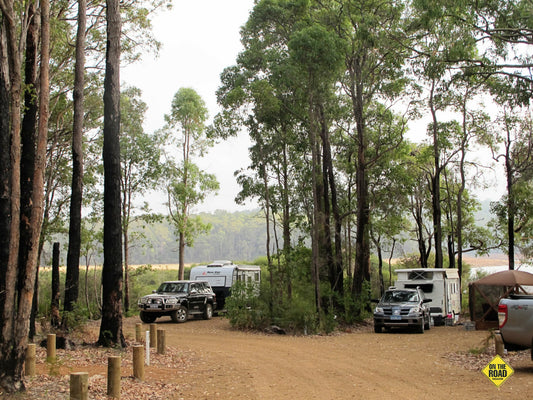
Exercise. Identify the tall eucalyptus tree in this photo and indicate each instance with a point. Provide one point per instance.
(374, 57)
(187, 185)
(512, 144)
(76, 195)
(112, 273)
(141, 168)
(18, 272)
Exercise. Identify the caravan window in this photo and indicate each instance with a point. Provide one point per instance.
(420, 275)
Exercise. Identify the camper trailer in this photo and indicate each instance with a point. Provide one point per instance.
(223, 274)
(441, 285)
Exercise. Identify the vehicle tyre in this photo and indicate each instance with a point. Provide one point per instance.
(147, 318)
(179, 315)
(427, 326)
(420, 328)
(377, 328)
(208, 312)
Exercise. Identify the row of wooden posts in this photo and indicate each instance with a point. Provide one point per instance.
(79, 381)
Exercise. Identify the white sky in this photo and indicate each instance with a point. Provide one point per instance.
(199, 39)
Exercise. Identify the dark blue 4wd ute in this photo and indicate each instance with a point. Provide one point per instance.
(402, 308)
(179, 300)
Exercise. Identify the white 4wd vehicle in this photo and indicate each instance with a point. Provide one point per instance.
(178, 299)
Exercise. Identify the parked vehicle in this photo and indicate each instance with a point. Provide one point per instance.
(179, 300)
(223, 274)
(515, 319)
(402, 308)
(442, 285)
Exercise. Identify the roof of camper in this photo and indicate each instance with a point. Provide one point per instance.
(447, 271)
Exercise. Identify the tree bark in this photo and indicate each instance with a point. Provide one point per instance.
(511, 204)
(435, 184)
(336, 268)
(28, 137)
(112, 275)
(74, 241)
(11, 361)
(56, 294)
(362, 238)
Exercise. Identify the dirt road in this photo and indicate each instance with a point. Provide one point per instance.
(207, 360)
(356, 365)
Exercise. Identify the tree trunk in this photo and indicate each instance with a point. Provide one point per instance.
(511, 205)
(112, 276)
(126, 272)
(56, 294)
(287, 250)
(28, 135)
(181, 255)
(336, 274)
(72, 280)
(380, 267)
(317, 223)
(267, 217)
(11, 357)
(362, 238)
(28, 138)
(435, 185)
(459, 204)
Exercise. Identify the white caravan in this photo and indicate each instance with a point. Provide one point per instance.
(441, 285)
(223, 274)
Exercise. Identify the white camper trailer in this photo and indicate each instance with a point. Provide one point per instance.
(223, 274)
(441, 285)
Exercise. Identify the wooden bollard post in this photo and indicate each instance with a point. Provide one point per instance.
(153, 335)
(79, 386)
(498, 343)
(29, 366)
(161, 341)
(138, 362)
(138, 333)
(113, 377)
(51, 348)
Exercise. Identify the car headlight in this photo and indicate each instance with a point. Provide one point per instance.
(172, 300)
(414, 310)
(378, 310)
(142, 300)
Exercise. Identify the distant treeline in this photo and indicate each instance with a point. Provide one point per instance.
(234, 236)
(239, 235)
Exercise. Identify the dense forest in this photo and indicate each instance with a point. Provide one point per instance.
(326, 92)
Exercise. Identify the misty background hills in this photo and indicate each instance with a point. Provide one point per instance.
(239, 236)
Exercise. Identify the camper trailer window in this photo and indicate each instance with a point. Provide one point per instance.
(420, 275)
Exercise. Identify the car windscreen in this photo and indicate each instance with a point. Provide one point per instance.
(400, 296)
(173, 287)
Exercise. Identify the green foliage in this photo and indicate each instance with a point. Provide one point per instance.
(245, 310)
(77, 317)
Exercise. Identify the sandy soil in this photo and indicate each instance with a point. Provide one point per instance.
(209, 360)
(354, 365)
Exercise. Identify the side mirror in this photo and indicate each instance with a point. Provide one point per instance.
(154, 291)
